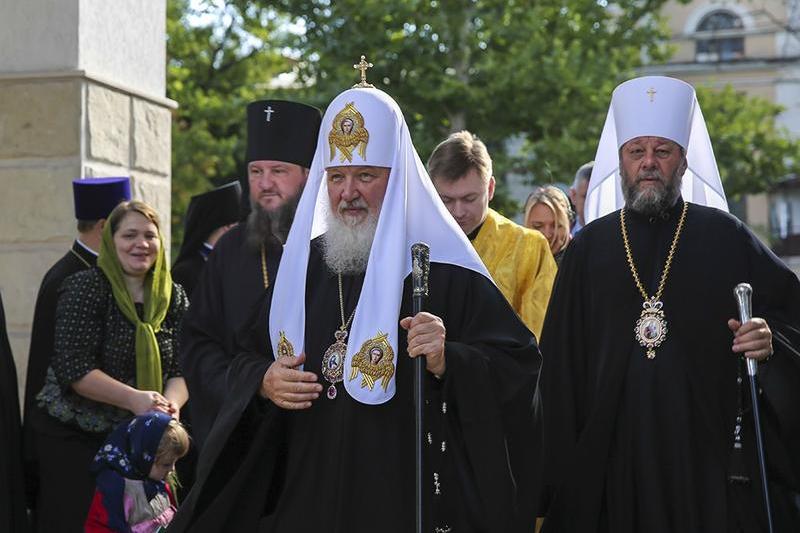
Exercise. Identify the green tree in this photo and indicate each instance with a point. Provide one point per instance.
(543, 70)
(752, 150)
(217, 63)
(538, 71)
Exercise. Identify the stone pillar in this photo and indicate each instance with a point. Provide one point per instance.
(82, 94)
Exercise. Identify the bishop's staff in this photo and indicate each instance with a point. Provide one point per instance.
(743, 293)
(420, 266)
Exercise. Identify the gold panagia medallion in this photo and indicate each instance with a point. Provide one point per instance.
(285, 348)
(348, 133)
(375, 361)
(651, 328)
(333, 362)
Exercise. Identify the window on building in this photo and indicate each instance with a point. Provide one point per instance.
(719, 37)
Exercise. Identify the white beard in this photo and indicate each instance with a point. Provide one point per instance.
(346, 247)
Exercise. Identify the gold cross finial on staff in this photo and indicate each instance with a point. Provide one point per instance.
(363, 65)
(651, 93)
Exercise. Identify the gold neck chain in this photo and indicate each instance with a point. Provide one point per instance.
(264, 266)
(344, 325)
(668, 262)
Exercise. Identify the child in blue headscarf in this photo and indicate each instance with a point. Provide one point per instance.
(131, 494)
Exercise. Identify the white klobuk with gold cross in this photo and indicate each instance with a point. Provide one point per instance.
(654, 106)
(364, 126)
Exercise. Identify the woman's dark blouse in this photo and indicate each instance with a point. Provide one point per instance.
(92, 333)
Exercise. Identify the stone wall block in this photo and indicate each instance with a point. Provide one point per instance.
(39, 119)
(156, 192)
(151, 137)
(22, 268)
(100, 169)
(109, 124)
(42, 204)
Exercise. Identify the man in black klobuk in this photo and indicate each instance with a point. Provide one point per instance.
(209, 216)
(647, 419)
(306, 445)
(94, 199)
(281, 137)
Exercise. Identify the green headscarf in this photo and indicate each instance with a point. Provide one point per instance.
(157, 295)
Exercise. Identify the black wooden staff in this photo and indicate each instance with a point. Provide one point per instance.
(420, 265)
(744, 293)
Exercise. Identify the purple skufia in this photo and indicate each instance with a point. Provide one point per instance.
(95, 198)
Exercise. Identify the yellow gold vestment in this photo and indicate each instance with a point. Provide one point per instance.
(521, 264)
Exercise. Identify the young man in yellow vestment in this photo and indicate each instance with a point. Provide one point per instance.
(518, 259)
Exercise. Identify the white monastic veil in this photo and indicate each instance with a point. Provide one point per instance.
(662, 107)
(411, 212)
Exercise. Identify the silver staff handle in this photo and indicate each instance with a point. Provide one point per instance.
(744, 297)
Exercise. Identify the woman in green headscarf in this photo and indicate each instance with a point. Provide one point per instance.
(116, 355)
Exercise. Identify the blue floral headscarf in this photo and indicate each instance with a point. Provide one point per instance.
(127, 454)
(131, 449)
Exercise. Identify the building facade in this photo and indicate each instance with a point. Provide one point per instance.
(753, 46)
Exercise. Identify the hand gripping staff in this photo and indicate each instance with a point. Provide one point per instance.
(744, 293)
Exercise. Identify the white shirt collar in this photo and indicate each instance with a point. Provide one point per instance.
(85, 247)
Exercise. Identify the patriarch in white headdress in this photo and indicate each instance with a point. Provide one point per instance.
(364, 127)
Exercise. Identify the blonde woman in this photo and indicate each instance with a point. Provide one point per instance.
(547, 210)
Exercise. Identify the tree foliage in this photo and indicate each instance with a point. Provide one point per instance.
(217, 63)
(752, 150)
(538, 71)
(543, 70)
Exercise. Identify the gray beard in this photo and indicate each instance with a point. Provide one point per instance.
(346, 248)
(652, 201)
(263, 225)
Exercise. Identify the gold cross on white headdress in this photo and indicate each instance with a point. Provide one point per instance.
(651, 93)
(363, 65)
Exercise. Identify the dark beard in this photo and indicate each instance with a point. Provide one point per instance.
(264, 226)
(655, 202)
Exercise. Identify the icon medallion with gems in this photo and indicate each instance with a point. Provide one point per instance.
(651, 328)
(333, 362)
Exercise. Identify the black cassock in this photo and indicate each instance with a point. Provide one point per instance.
(41, 351)
(342, 466)
(230, 285)
(12, 493)
(633, 444)
(187, 270)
